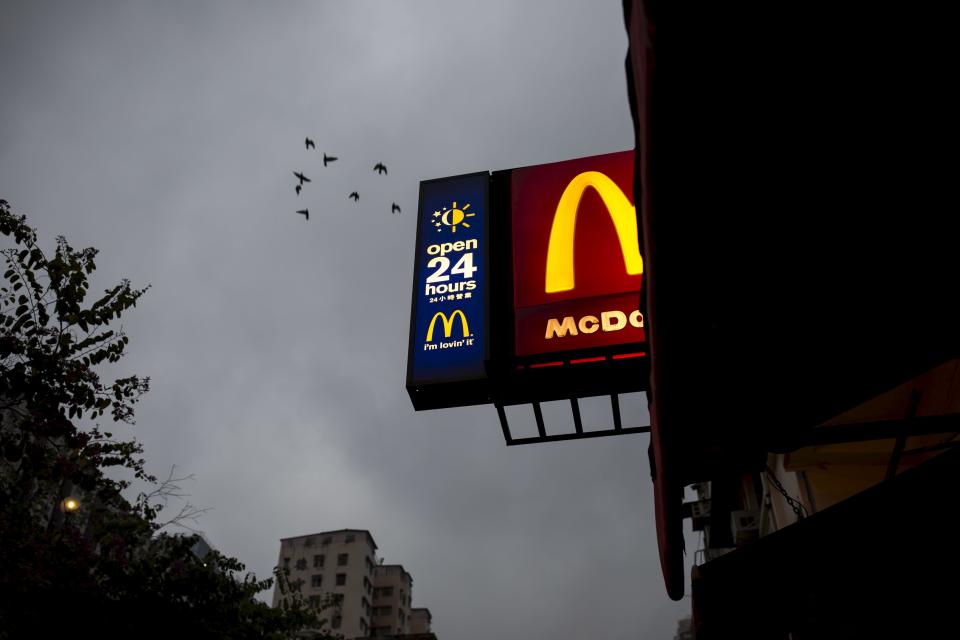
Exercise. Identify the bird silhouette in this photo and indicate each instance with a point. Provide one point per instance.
(309, 144)
(327, 159)
(354, 195)
(297, 188)
(395, 209)
(302, 177)
(305, 213)
(379, 168)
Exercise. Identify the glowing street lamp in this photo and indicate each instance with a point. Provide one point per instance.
(70, 504)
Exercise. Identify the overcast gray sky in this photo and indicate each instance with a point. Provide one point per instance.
(165, 133)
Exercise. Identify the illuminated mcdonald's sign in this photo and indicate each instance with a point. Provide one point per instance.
(576, 253)
(448, 324)
(560, 264)
(449, 339)
(565, 235)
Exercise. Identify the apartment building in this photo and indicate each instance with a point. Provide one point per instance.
(420, 621)
(374, 599)
(334, 562)
(392, 591)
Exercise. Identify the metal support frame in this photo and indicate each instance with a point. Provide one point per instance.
(901, 441)
(538, 414)
(873, 430)
(578, 434)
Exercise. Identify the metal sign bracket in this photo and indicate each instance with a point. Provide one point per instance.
(578, 434)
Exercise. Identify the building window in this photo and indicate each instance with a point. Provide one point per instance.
(341, 579)
(366, 606)
(315, 580)
(318, 561)
(309, 542)
(363, 626)
(351, 538)
(314, 602)
(386, 592)
(327, 540)
(336, 622)
(342, 559)
(286, 563)
(301, 564)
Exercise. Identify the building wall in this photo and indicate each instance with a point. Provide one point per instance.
(833, 473)
(820, 476)
(392, 595)
(420, 621)
(322, 560)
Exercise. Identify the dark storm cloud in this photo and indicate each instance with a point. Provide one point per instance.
(165, 134)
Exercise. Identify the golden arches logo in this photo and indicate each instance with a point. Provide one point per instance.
(448, 324)
(560, 268)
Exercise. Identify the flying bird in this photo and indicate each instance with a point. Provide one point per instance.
(309, 144)
(379, 168)
(297, 188)
(394, 208)
(305, 213)
(327, 159)
(302, 177)
(354, 195)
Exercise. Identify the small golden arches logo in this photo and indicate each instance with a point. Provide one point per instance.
(448, 324)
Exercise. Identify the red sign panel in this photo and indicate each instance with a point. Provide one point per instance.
(576, 257)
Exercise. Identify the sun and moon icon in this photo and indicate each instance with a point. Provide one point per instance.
(451, 217)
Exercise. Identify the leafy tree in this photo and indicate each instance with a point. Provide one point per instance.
(104, 569)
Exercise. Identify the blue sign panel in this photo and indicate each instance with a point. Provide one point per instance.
(448, 328)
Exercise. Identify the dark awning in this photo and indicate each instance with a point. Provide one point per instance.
(799, 224)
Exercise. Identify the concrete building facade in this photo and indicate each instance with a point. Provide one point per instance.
(420, 621)
(371, 599)
(340, 563)
(392, 591)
